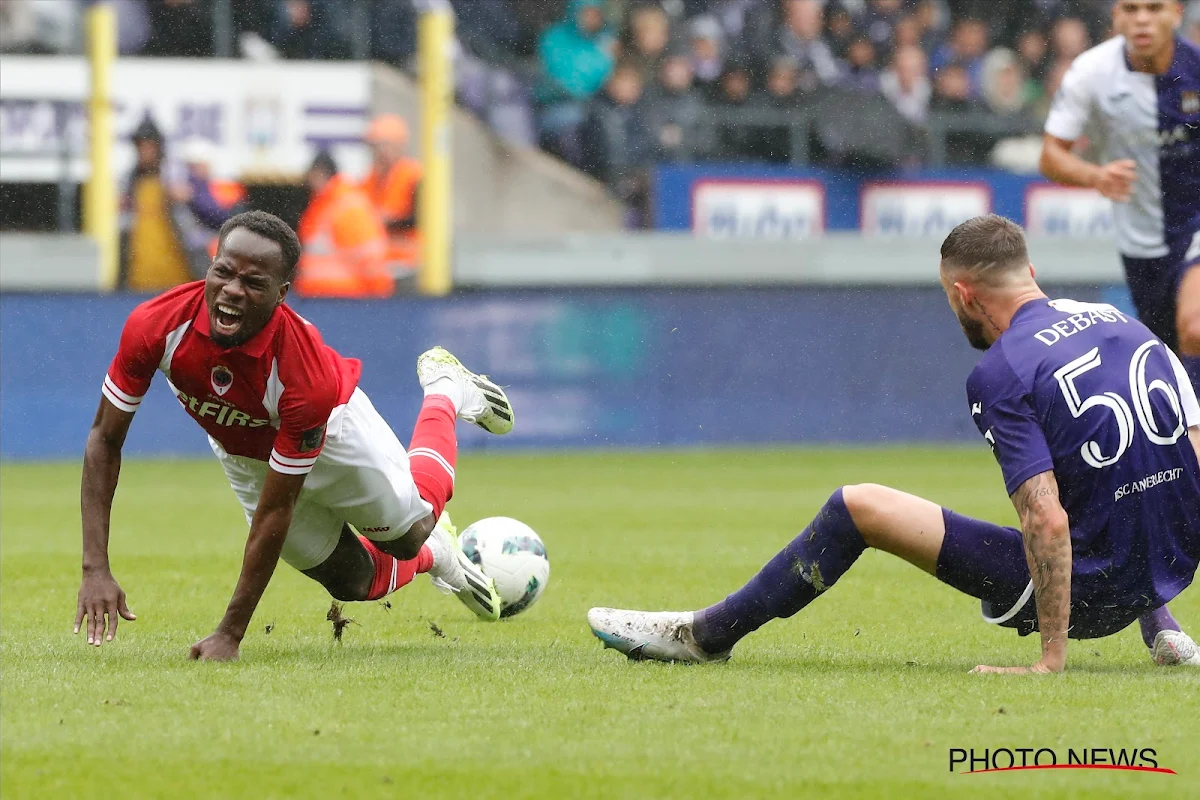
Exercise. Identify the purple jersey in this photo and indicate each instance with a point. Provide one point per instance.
(1085, 391)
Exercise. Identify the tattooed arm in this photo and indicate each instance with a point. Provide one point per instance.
(1047, 536)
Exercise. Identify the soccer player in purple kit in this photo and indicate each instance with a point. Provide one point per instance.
(1141, 91)
(1097, 431)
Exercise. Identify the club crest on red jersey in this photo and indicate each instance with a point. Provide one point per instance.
(222, 379)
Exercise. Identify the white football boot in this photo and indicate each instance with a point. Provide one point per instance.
(650, 635)
(453, 571)
(484, 403)
(1175, 649)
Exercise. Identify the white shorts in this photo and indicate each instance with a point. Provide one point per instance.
(362, 477)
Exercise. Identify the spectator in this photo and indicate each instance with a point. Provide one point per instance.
(576, 58)
(966, 48)
(309, 29)
(952, 90)
(841, 29)
(675, 111)
(344, 242)
(801, 40)
(707, 53)
(181, 29)
(773, 143)
(577, 53)
(1069, 38)
(617, 141)
(202, 204)
(1003, 82)
(907, 84)
(860, 72)
(933, 18)
(649, 36)
(393, 187)
(880, 21)
(153, 257)
(735, 142)
(1033, 50)
(1054, 77)
(907, 33)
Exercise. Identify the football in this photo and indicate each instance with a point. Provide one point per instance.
(511, 554)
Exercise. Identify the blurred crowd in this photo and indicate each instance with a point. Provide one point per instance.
(614, 86)
(360, 238)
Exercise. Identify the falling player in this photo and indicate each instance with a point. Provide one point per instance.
(1097, 431)
(303, 448)
(1141, 90)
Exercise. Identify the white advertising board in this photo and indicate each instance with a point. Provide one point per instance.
(758, 209)
(261, 117)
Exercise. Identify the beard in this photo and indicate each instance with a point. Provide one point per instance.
(973, 329)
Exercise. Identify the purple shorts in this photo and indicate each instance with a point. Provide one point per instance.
(987, 561)
(1154, 284)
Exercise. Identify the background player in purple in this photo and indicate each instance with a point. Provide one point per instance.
(1097, 431)
(1140, 91)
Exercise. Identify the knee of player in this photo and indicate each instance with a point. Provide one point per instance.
(1189, 335)
(865, 502)
(409, 545)
(350, 590)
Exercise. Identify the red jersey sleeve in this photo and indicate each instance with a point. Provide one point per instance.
(311, 388)
(138, 355)
(301, 436)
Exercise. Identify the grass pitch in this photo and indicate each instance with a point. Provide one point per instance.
(862, 694)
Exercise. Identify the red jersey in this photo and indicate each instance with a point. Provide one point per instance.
(268, 398)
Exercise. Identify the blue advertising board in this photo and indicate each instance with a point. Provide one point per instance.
(635, 368)
(785, 203)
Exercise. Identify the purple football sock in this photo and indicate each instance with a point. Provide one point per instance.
(791, 580)
(1152, 622)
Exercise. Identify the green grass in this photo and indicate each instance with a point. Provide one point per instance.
(862, 694)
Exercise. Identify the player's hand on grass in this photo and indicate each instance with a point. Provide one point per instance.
(217, 646)
(99, 598)
(1115, 180)
(1040, 668)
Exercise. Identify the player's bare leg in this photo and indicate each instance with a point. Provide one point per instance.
(1187, 322)
(357, 569)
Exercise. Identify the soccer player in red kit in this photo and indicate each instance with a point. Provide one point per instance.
(303, 448)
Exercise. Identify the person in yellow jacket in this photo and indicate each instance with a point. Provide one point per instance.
(393, 184)
(345, 243)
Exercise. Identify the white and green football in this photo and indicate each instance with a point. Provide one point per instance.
(511, 554)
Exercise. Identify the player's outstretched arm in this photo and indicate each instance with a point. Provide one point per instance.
(100, 596)
(268, 529)
(1114, 180)
(1047, 534)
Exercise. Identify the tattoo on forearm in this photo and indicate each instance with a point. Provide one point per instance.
(1048, 551)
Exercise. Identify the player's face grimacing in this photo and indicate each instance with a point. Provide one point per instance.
(244, 286)
(1148, 25)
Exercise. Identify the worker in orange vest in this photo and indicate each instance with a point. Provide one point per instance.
(345, 244)
(392, 184)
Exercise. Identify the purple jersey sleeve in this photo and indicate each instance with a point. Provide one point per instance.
(1003, 411)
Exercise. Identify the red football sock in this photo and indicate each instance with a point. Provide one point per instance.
(392, 573)
(433, 451)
